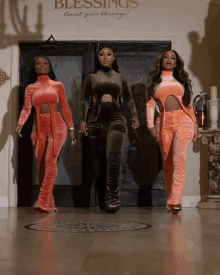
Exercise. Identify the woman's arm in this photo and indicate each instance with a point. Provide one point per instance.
(66, 111)
(191, 113)
(25, 111)
(150, 110)
(64, 105)
(150, 106)
(128, 98)
(26, 107)
(187, 94)
(86, 97)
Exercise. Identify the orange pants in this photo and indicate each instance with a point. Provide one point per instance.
(46, 160)
(176, 133)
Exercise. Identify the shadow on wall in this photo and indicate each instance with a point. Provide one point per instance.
(19, 23)
(10, 17)
(8, 128)
(143, 157)
(205, 60)
(205, 57)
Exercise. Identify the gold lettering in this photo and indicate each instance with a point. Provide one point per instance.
(90, 14)
(59, 2)
(67, 13)
(88, 2)
(134, 2)
(75, 3)
(66, 6)
(115, 2)
(97, 2)
(119, 2)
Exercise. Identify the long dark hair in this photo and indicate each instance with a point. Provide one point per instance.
(114, 64)
(33, 75)
(178, 73)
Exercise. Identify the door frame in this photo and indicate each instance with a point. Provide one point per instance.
(14, 83)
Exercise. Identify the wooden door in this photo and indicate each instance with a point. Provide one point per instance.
(142, 183)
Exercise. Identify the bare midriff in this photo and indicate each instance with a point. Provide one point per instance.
(171, 104)
(45, 108)
(105, 98)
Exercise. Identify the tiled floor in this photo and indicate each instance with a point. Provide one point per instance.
(183, 244)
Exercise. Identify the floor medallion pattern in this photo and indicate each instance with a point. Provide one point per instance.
(87, 227)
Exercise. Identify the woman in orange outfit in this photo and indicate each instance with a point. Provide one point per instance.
(49, 131)
(175, 127)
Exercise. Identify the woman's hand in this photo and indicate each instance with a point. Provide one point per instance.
(18, 130)
(195, 133)
(73, 137)
(154, 133)
(83, 128)
(135, 122)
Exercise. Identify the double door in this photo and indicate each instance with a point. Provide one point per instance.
(142, 183)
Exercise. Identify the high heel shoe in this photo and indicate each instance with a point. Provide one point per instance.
(51, 211)
(176, 209)
(102, 206)
(111, 208)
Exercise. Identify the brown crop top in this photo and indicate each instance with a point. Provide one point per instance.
(103, 82)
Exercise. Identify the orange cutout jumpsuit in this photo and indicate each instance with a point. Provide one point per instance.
(176, 130)
(48, 135)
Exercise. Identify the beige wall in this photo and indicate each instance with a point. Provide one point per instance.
(192, 26)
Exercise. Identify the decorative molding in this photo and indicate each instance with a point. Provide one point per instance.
(3, 77)
(3, 201)
(190, 201)
(76, 37)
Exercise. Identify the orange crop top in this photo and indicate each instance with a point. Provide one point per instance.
(47, 91)
(168, 87)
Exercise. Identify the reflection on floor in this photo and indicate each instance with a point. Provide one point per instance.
(183, 244)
